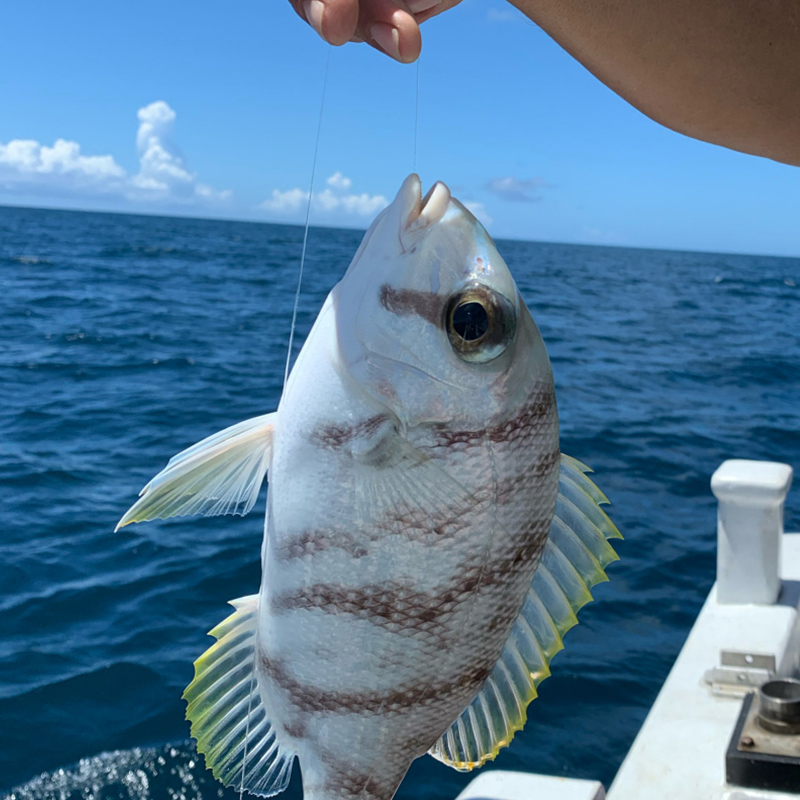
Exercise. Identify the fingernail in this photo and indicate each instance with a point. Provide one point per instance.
(418, 6)
(314, 10)
(386, 37)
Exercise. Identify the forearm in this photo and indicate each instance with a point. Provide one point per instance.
(725, 71)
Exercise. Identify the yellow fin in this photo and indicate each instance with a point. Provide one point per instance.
(576, 553)
(223, 694)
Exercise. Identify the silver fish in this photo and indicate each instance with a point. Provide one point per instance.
(426, 544)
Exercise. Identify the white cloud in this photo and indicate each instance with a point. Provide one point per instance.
(518, 190)
(286, 202)
(25, 162)
(162, 169)
(332, 200)
(28, 167)
(338, 181)
(362, 205)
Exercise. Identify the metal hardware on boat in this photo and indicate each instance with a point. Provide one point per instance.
(764, 751)
(740, 673)
(779, 706)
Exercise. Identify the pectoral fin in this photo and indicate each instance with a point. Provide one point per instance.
(220, 475)
(574, 560)
(393, 476)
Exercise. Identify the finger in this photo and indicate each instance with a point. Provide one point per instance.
(340, 20)
(425, 9)
(389, 27)
(333, 20)
(417, 7)
(406, 43)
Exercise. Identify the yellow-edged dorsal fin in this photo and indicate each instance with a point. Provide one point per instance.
(574, 560)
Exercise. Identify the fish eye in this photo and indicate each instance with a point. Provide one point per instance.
(479, 323)
(470, 321)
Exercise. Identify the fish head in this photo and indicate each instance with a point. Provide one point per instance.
(429, 320)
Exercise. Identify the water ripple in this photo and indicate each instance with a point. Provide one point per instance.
(124, 339)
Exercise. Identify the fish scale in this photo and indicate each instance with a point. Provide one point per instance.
(426, 545)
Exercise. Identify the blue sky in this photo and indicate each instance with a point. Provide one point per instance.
(210, 110)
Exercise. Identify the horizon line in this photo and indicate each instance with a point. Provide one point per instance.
(252, 221)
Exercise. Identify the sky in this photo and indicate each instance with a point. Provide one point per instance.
(207, 110)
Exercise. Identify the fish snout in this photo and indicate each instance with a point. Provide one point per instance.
(418, 213)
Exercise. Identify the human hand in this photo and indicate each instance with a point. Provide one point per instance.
(391, 26)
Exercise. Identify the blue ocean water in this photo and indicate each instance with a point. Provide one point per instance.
(124, 339)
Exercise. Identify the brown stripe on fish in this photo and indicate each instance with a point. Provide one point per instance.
(526, 554)
(334, 436)
(310, 543)
(528, 480)
(507, 488)
(407, 302)
(316, 700)
(520, 426)
(403, 609)
(420, 525)
(522, 555)
(393, 605)
(414, 525)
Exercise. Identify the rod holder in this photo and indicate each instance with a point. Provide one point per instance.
(751, 495)
(779, 705)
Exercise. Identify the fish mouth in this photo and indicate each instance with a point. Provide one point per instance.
(418, 212)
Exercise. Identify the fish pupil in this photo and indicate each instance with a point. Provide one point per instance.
(470, 321)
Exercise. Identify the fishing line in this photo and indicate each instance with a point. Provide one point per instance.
(416, 117)
(288, 362)
(294, 316)
(308, 216)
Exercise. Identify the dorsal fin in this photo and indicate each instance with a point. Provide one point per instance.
(574, 560)
(221, 698)
(220, 475)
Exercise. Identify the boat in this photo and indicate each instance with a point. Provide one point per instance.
(726, 722)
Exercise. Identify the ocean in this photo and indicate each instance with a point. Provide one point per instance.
(124, 339)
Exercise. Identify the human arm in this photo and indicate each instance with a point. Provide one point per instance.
(723, 71)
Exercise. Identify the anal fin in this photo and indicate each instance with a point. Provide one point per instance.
(228, 717)
(574, 560)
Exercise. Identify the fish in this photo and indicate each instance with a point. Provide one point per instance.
(426, 544)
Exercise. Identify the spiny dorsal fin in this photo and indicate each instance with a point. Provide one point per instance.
(223, 694)
(574, 560)
(220, 475)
